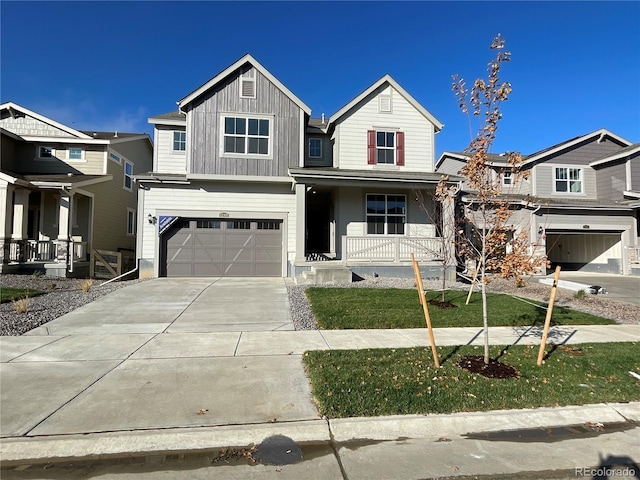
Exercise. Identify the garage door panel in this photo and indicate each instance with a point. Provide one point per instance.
(202, 247)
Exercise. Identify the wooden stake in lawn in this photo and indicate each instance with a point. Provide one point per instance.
(423, 301)
(547, 320)
(473, 284)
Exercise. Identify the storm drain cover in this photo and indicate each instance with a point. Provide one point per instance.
(277, 450)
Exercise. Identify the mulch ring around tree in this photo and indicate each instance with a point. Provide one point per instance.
(495, 369)
(441, 304)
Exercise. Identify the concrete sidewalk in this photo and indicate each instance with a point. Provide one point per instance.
(164, 367)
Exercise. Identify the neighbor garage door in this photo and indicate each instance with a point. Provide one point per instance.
(589, 252)
(223, 248)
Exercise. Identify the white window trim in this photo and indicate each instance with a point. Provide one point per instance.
(114, 157)
(309, 152)
(222, 119)
(125, 176)
(45, 159)
(395, 146)
(507, 175)
(131, 213)
(173, 142)
(386, 215)
(82, 155)
(581, 169)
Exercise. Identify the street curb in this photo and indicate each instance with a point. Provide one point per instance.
(96, 446)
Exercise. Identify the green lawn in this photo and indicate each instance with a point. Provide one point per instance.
(348, 308)
(7, 294)
(375, 382)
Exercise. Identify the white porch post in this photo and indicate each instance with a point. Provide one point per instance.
(448, 230)
(301, 226)
(64, 217)
(20, 214)
(6, 208)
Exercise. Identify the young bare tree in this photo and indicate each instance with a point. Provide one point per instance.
(490, 210)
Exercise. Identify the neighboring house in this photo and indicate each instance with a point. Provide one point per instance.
(65, 192)
(580, 203)
(245, 183)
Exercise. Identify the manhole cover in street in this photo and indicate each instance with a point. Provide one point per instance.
(277, 450)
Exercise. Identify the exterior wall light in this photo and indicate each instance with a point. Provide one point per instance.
(151, 219)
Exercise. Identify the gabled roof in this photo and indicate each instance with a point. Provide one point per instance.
(10, 106)
(602, 133)
(622, 153)
(171, 118)
(495, 159)
(387, 79)
(232, 68)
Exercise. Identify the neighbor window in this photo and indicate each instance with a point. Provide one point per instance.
(45, 152)
(179, 141)
(386, 214)
(75, 153)
(128, 175)
(131, 221)
(315, 147)
(246, 135)
(507, 178)
(568, 180)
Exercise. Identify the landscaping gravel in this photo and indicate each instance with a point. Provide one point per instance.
(63, 295)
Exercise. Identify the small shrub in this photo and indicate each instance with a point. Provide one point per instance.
(20, 305)
(36, 274)
(51, 286)
(579, 295)
(86, 285)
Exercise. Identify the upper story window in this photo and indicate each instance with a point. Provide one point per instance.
(507, 178)
(386, 214)
(249, 136)
(385, 147)
(179, 141)
(45, 151)
(128, 175)
(568, 180)
(75, 153)
(315, 147)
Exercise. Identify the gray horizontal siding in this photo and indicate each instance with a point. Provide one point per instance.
(612, 180)
(545, 181)
(327, 152)
(584, 153)
(204, 129)
(635, 172)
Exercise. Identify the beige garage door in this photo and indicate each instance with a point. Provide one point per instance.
(223, 248)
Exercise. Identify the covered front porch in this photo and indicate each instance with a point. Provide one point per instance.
(370, 223)
(47, 225)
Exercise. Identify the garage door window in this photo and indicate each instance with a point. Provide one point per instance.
(268, 225)
(208, 224)
(239, 225)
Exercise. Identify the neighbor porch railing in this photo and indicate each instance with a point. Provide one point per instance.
(43, 250)
(390, 249)
(633, 255)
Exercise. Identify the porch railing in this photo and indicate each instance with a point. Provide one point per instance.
(43, 250)
(633, 254)
(390, 249)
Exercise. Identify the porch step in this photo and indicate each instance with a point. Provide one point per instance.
(324, 274)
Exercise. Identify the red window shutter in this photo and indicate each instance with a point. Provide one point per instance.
(400, 148)
(371, 147)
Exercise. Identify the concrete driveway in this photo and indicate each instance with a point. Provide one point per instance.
(619, 288)
(158, 354)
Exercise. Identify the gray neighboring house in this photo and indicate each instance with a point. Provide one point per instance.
(246, 183)
(65, 192)
(581, 202)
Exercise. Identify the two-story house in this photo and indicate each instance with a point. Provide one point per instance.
(580, 202)
(64, 192)
(245, 183)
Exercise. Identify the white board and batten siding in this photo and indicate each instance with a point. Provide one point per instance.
(350, 148)
(237, 200)
(168, 160)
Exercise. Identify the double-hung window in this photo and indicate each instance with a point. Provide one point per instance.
(75, 153)
(385, 147)
(568, 180)
(386, 214)
(179, 141)
(507, 178)
(128, 174)
(245, 135)
(315, 147)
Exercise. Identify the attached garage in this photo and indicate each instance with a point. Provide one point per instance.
(201, 247)
(589, 252)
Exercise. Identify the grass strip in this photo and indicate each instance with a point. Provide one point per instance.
(8, 294)
(372, 382)
(349, 308)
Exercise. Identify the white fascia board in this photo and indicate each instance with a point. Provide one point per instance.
(387, 79)
(598, 133)
(84, 141)
(615, 156)
(72, 185)
(229, 70)
(13, 180)
(42, 118)
(337, 176)
(628, 193)
(168, 122)
(238, 178)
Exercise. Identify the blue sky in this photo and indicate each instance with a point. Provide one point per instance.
(110, 65)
